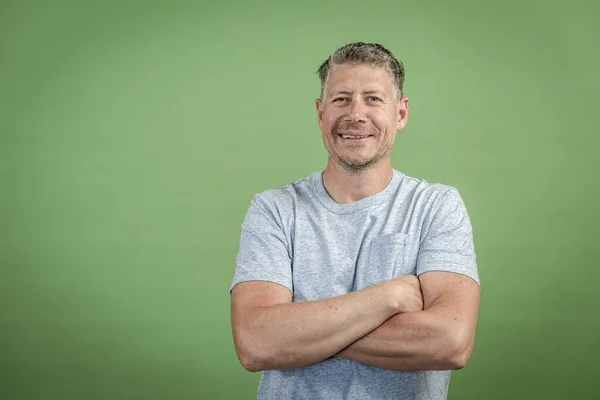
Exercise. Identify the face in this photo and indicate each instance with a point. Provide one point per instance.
(359, 116)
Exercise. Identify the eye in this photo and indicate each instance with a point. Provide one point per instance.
(339, 100)
(374, 99)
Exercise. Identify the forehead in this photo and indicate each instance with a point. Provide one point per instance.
(359, 77)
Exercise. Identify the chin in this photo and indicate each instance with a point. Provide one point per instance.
(355, 164)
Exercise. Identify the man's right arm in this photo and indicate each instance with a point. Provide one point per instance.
(272, 332)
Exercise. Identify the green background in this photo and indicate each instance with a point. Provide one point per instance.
(134, 135)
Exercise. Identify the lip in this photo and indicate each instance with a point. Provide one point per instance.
(366, 136)
(354, 133)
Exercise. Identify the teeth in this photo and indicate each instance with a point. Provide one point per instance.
(353, 137)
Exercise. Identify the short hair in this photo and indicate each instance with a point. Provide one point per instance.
(372, 54)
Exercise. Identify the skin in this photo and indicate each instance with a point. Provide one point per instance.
(272, 332)
(408, 323)
(359, 100)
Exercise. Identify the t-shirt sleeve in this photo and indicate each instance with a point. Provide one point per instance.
(447, 244)
(263, 253)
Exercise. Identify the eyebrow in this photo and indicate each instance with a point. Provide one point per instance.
(368, 91)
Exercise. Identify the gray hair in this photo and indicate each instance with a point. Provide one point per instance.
(372, 54)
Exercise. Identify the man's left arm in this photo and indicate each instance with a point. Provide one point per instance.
(440, 337)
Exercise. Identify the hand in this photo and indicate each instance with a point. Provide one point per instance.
(407, 292)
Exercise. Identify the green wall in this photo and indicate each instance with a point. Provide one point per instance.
(133, 137)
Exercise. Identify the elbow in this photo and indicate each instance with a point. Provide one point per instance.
(249, 359)
(459, 354)
(249, 362)
(250, 354)
(459, 359)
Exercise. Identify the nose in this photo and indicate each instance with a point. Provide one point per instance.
(356, 111)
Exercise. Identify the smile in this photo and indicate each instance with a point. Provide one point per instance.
(354, 137)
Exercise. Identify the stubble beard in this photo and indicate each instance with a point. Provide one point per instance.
(352, 164)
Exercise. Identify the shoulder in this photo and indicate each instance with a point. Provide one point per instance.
(280, 201)
(423, 191)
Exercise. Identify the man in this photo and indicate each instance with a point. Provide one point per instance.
(357, 282)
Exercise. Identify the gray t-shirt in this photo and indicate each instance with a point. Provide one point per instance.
(298, 237)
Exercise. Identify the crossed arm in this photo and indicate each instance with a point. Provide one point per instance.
(385, 325)
(440, 337)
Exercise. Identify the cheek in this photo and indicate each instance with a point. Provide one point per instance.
(331, 115)
(388, 115)
(328, 125)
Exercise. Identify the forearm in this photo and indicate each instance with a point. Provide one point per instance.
(417, 341)
(298, 334)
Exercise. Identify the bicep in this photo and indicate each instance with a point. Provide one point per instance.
(247, 300)
(251, 295)
(452, 297)
(447, 242)
(264, 256)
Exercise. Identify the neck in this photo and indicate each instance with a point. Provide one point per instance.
(346, 187)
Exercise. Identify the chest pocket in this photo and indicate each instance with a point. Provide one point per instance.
(387, 257)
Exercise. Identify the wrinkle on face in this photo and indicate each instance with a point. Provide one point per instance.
(360, 98)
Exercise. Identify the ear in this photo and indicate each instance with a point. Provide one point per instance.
(402, 112)
(319, 105)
